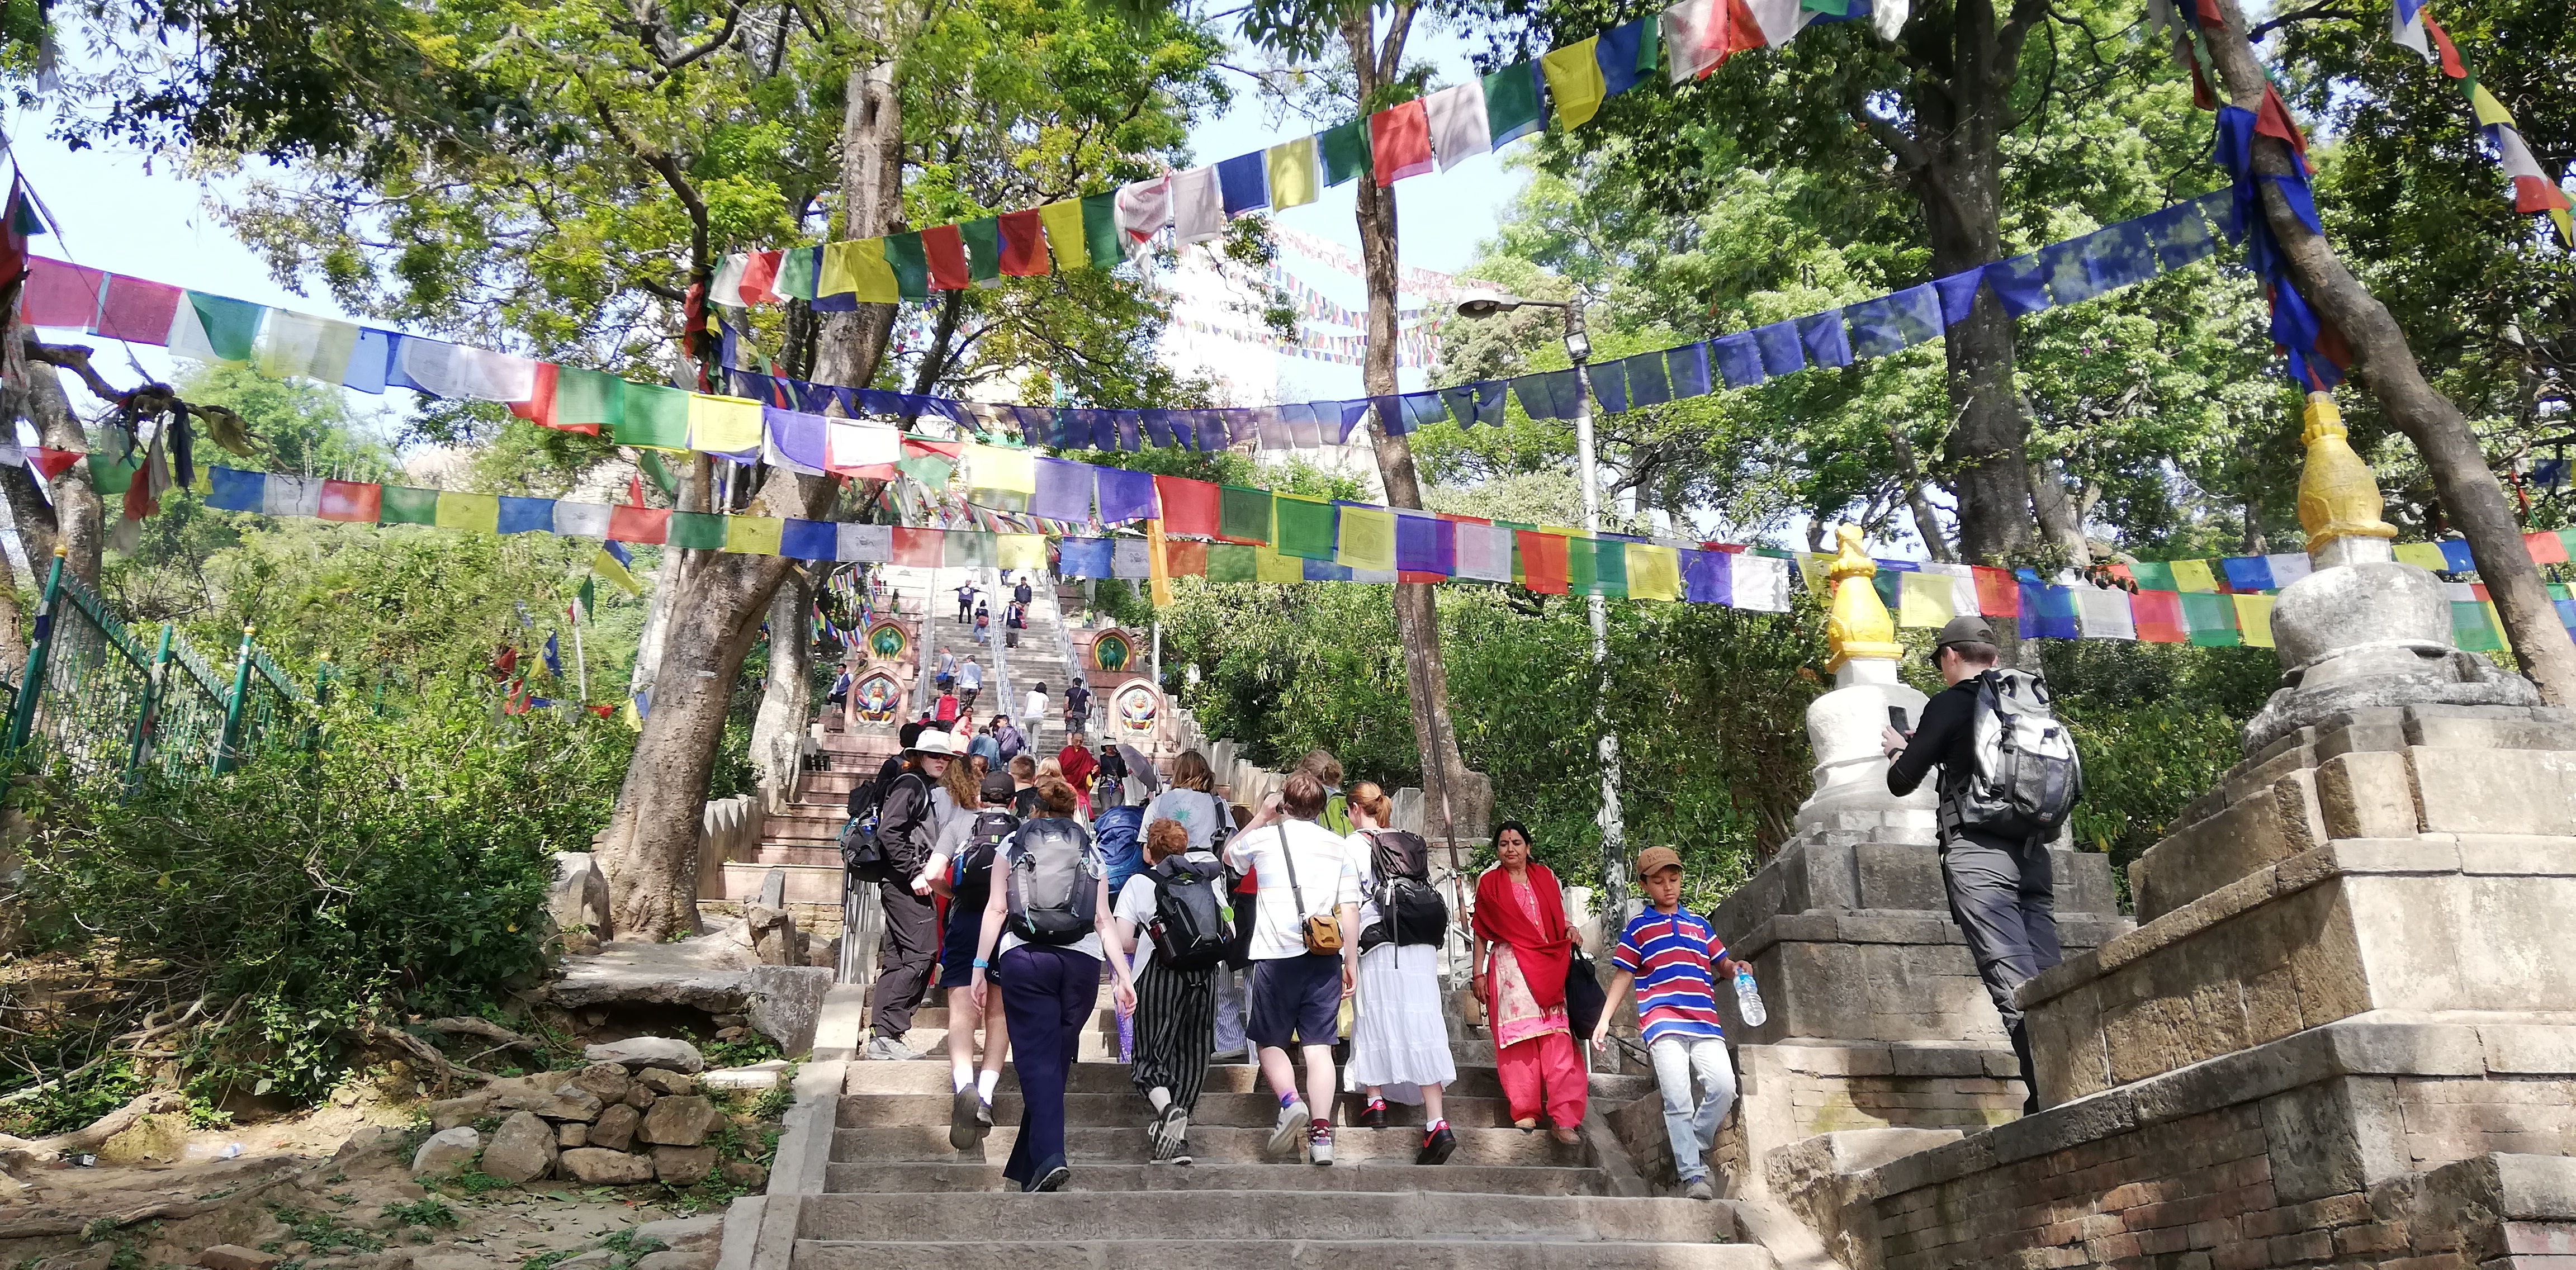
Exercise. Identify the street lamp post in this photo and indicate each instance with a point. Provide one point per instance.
(1614, 830)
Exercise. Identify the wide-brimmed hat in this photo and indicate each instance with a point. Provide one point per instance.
(938, 741)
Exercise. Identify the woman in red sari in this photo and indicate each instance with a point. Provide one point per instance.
(1523, 947)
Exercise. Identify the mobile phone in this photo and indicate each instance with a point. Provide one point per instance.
(1896, 720)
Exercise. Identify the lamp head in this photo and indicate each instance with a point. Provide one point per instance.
(1487, 304)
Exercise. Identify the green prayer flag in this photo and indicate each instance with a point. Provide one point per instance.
(964, 550)
(587, 596)
(2212, 619)
(1596, 566)
(703, 530)
(798, 270)
(930, 469)
(2567, 539)
(108, 475)
(1346, 152)
(1227, 562)
(1304, 527)
(1244, 514)
(2153, 575)
(664, 479)
(911, 265)
(656, 416)
(403, 505)
(1650, 48)
(1889, 584)
(588, 396)
(232, 326)
(2471, 630)
(1512, 105)
(1100, 231)
(983, 248)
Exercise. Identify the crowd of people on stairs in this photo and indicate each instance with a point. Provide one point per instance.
(1281, 935)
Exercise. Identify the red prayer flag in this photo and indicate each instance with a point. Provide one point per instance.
(1189, 507)
(2451, 64)
(1400, 142)
(1184, 559)
(1024, 250)
(53, 463)
(635, 488)
(639, 524)
(1998, 592)
(918, 548)
(1542, 561)
(1734, 31)
(914, 448)
(358, 502)
(2158, 615)
(539, 408)
(2546, 547)
(2273, 120)
(758, 273)
(946, 249)
(61, 295)
(137, 311)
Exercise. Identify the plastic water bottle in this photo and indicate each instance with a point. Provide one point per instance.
(1748, 999)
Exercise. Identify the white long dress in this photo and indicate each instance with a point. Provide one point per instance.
(1400, 1038)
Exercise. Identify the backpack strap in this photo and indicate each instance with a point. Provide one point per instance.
(1285, 853)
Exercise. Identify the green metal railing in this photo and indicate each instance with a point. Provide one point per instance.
(112, 715)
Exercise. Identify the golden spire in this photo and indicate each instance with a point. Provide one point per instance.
(1857, 626)
(2338, 497)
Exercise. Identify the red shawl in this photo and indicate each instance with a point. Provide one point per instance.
(1544, 948)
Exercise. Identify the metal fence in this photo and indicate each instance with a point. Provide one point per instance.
(93, 703)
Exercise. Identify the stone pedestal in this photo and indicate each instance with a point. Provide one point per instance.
(1851, 799)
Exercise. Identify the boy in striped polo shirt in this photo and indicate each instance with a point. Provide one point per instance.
(1674, 960)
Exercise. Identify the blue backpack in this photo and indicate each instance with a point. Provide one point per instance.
(1120, 831)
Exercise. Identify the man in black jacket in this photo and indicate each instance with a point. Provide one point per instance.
(2000, 890)
(908, 830)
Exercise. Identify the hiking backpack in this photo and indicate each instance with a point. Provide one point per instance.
(858, 843)
(1120, 832)
(1193, 919)
(968, 875)
(1409, 910)
(1053, 893)
(2026, 775)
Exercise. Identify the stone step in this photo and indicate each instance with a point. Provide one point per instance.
(875, 1178)
(801, 854)
(1100, 1045)
(1254, 1215)
(806, 883)
(1286, 1254)
(1475, 1080)
(1215, 1144)
(1251, 1110)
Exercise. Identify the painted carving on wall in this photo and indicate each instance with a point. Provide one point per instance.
(1113, 650)
(877, 698)
(1135, 710)
(887, 642)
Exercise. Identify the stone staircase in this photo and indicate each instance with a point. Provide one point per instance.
(868, 1181)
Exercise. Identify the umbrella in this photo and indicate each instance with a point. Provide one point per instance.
(1141, 768)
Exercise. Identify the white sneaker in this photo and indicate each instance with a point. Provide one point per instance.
(1319, 1144)
(886, 1049)
(1293, 1120)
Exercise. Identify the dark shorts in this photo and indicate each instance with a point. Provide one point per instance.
(1296, 996)
(957, 949)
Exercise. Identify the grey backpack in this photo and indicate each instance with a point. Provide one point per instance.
(2027, 775)
(1054, 881)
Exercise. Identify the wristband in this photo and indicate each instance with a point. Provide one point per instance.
(981, 964)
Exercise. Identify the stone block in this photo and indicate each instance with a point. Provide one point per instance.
(2517, 854)
(551, 1095)
(683, 1166)
(2536, 1187)
(2469, 729)
(2361, 731)
(662, 1081)
(448, 1113)
(1921, 1060)
(523, 1149)
(615, 1128)
(604, 1081)
(2273, 824)
(236, 1257)
(2334, 1137)
(570, 1134)
(579, 895)
(2061, 1127)
(159, 1137)
(446, 1151)
(1894, 875)
(597, 1166)
(2366, 795)
(2528, 1048)
(786, 1005)
(2494, 791)
(2083, 880)
(649, 1051)
(681, 1121)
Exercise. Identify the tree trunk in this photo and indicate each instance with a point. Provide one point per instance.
(1984, 449)
(79, 515)
(2058, 521)
(852, 344)
(2386, 367)
(1927, 518)
(787, 701)
(2249, 492)
(1457, 801)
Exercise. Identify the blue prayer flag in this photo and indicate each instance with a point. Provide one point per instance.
(1707, 577)
(1616, 51)
(526, 515)
(1646, 386)
(2248, 573)
(1083, 558)
(1610, 385)
(1124, 494)
(235, 490)
(1688, 366)
(2019, 284)
(2456, 557)
(1243, 182)
(1738, 358)
(806, 539)
(1958, 295)
(2119, 256)
(1782, 354)
(1822, 333)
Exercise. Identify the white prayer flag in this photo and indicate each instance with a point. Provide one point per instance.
(872, 543)
(581, 520)
(1198, 206)
(1458, 126)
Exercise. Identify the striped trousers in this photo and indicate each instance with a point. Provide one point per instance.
(1175, 1029)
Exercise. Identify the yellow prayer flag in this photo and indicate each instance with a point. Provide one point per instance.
(1367, 541)
(1158, 567)
(2194, 575)
(1270, 566)
(1019, 551)
(2490, 112)
(1926, 599)
(1064, 234)
(1654, 573)
(1292, 173)
(2422, 555)
(1811, 571)
(723, 425)
(858, 267)
(753, 535)
(2254, 619)
(1008, 471)
(480, 513)
(1574, 82)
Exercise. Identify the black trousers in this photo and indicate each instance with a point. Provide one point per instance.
(904, 958)
(2004, 898)
(1175, 1028)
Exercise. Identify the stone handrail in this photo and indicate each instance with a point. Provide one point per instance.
(728, 823)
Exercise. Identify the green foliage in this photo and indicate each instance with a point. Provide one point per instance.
(325, 1233)
(428, 1211)
(78, 1101)
(401, 868)
(751, 1047)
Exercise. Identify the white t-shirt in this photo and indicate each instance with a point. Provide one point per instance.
(971, 675)
(1195, 809)
(1035, 707)
(1089, 944)
(1324, 874)
(1361, 863)
(1136, 905)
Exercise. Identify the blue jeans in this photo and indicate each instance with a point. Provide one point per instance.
(1047, 994)
(1691, 1126)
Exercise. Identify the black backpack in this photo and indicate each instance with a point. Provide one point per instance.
(1409, 910)
(1193, 917)
(865, 851)
(1054, 883)
(969, 876)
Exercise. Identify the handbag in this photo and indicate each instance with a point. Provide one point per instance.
(1584, 997)
(1324, 933)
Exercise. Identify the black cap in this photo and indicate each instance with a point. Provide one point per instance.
(1968, 629)
(998, 787)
